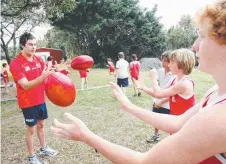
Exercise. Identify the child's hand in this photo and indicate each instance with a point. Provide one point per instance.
(75, 130)
(153, 73)
(158, 105)
(120, 96)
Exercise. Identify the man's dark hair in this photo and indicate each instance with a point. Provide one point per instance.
(24, 38)
(165, 55)
(134, 57)
(50, 58)
(64, 57)
(4, 64)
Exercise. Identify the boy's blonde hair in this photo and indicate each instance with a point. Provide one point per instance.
(185, 59)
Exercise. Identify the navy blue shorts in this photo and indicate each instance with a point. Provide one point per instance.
(123, 82)
(161, 110)
(35, 113)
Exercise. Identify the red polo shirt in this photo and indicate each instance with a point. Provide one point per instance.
(5, 76)
(20, 68)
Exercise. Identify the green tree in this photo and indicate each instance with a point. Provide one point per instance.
(182, 35)
(12, 26)
(24, 15)
(15, 8)
(56, 38)
(102, 28)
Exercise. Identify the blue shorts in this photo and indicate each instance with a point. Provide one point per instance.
(123, 82)
(35, 113)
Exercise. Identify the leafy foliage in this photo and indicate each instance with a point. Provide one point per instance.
(181, 35)
(102, 28)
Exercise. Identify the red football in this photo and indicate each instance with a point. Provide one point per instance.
(82, 62)
(60, 89)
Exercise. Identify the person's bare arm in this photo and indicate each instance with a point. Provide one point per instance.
(178, 88)
(24, 83)
(167, 91)
(147, 90)
(167, 123)
(140, 85)
(116, 72)
(195, 141)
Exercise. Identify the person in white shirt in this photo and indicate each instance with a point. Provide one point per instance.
(122, 72)
(162, 105)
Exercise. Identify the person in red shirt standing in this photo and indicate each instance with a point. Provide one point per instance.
(135, 73)
(84, 78)
(29, 73)
(5, 76)
(111, 66)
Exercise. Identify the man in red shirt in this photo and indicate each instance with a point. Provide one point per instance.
(29, 73)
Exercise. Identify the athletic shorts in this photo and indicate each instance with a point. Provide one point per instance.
(134, 77)
(161, 110)
(123, 82)
(111, 69)
(83, 73)
(35, 113)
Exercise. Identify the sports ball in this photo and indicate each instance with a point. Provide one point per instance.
(82, 62)
(60, 89)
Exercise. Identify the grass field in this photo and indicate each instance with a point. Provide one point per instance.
(99, 110)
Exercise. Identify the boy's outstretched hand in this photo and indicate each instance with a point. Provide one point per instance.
(120, 96)
(75, 130)
(153, 74)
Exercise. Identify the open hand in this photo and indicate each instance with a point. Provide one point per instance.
(153, 73)
(46, 73)
(75, 130)
(158, 105)
(120, 96)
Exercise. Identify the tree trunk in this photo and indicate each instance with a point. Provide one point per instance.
(6, 51)
(14, 44)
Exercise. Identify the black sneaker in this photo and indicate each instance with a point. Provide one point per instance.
(139, 93)
(154, 138)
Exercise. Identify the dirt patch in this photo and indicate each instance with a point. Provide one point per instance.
(9, 95)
